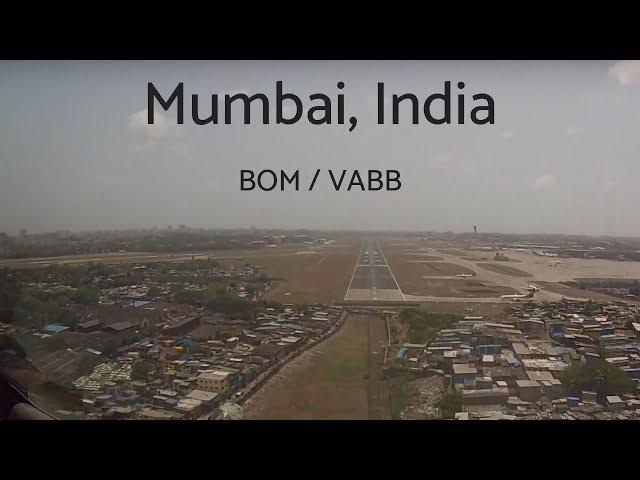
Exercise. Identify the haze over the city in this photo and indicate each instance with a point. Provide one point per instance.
(562, 157)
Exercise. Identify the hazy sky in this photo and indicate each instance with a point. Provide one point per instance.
(562, 157)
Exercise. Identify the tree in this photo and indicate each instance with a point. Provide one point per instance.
(423, 325)
(51, 344)
(596, 375)
(450, 404)
(189, 297)
(10, 344)
(230, 304)
(153, 292)
(98, 268)
(141, 370)
(110, 347)
(277, 306)
(87, 364)
(67, 317)
(591, 307)
(86, 295)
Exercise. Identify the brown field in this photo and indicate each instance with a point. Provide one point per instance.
(443, 269)
(410, 275)
(320, 277)
(447, 287)
(147, 257)
(504, 269)
(496, 311)
(453, 251)
(414, 275)
(333, 380)
(422, 257)
(570, 291)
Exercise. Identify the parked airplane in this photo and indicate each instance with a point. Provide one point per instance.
(532, 289)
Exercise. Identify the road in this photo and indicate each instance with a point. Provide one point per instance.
(372, 278)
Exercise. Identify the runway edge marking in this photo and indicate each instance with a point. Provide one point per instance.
(354, 272)
(391, 272)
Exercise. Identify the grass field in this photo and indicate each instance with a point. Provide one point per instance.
(330, 381)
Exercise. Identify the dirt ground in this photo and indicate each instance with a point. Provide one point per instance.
(422, 257)
(320, 277)
(334, 380)
(453, 251)
(443, 269)
(410, 274)
(505, 269)
(420, 277)
(446, 287)
(495, 310)
(475, 259)
(570, 291)
(378, 388)
(426, 393)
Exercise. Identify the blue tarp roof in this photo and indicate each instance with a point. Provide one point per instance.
(54, 328)
(187, 341)
(140, 303)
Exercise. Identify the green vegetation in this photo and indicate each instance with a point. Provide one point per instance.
(592, 307)
(277, 306)
(86, 295)
(66, 317)
(352, 366)
(86, 364)
(449, 404)
(153, 292)
(29, 307)
(218, 297)
(56, 395)
(596, 375)
(232, 305)
(196, 264)
(189, 297)
(400, 391)
(9, 345)
(99, 269)
(110, 347)
(423, 325)
(141, 370)
(54, 343)
(9, 297)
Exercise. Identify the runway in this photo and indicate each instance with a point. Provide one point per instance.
(372, 278)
